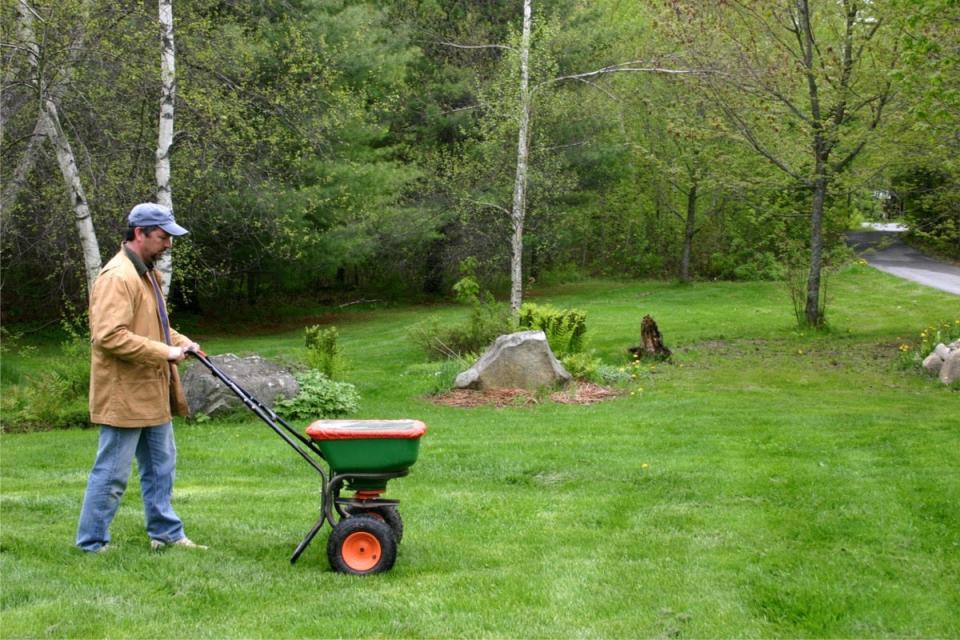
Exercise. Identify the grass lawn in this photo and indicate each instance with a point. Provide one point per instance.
(765, 484)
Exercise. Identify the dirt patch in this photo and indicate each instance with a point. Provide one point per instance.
(580, 393)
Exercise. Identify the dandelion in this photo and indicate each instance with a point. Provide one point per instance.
(644, 466)
(904, 348)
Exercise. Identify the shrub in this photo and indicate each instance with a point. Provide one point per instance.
(323, 353)
(319, 397)
(565, 329)
(582, 366)
(488, 320)
(611, 375)
(56, 397)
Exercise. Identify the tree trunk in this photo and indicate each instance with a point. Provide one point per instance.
(813, 311)
(71, 176)
(520, 184)
(168, 94)
(690, 229)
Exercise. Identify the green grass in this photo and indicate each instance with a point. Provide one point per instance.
(768, 483)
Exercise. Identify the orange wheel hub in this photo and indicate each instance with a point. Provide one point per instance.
(361, 551)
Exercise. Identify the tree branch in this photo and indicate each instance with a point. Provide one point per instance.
(625, 67)
(473, 46)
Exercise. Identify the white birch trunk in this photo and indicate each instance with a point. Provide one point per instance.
(71, 176)
(168, 79)
(518, 212)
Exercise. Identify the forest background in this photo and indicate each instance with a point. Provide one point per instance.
(344, 150)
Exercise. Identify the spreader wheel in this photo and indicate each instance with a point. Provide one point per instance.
(390, 515)
(361, 546)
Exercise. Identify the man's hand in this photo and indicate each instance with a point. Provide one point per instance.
(177, 354)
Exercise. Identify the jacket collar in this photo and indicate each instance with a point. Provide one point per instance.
(137, 261)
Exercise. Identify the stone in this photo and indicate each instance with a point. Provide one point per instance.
(520, 360)
(950, 371)
(942, 350)
(262, 379)
(932, 364)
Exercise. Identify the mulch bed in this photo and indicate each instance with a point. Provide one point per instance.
(579, 393)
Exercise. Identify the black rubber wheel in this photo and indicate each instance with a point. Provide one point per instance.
(361, 546)
(390, 515)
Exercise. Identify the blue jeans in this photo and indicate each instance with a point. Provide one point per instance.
(156, 454)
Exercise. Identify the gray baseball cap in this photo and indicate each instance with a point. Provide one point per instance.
(150, 214)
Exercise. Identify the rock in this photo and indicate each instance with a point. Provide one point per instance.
(950, 371)
(520, 360)
(942, 350)
(261, 378)
(932, 364)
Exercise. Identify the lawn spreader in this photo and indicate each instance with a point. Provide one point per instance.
(362, 455)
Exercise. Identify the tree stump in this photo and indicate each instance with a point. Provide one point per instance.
(651, 342)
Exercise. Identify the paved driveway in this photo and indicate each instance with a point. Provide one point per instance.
(883, 249)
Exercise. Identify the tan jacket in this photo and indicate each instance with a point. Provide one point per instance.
(132, 384)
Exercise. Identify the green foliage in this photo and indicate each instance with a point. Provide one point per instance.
(582, 365)
(928, 200)
(487, 321)
(566, 329)
(740, 262)
(911, 355)
(323, 353)
(55, 397)
(612, 376)
(467, 290)
(319, 397)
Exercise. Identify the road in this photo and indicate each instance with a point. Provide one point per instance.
(882, 248)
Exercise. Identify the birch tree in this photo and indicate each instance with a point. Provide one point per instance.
(526, 94)
(518, 211)
(50, 126)
(168, 94)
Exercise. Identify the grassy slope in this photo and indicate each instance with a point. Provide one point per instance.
(774, 484)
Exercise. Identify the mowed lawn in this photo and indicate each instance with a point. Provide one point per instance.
(766, 483)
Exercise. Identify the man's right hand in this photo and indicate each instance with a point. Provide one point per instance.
(176, 354)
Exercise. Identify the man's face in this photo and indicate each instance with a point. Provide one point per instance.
(154, 244)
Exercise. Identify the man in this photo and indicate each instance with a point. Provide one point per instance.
(134, 385)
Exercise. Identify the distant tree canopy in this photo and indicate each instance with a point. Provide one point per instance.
(341, 149)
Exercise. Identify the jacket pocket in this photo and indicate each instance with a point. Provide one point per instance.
(145, 397)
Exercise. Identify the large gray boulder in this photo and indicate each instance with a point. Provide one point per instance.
(261, 378)
(950, 371)
(515, 361)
